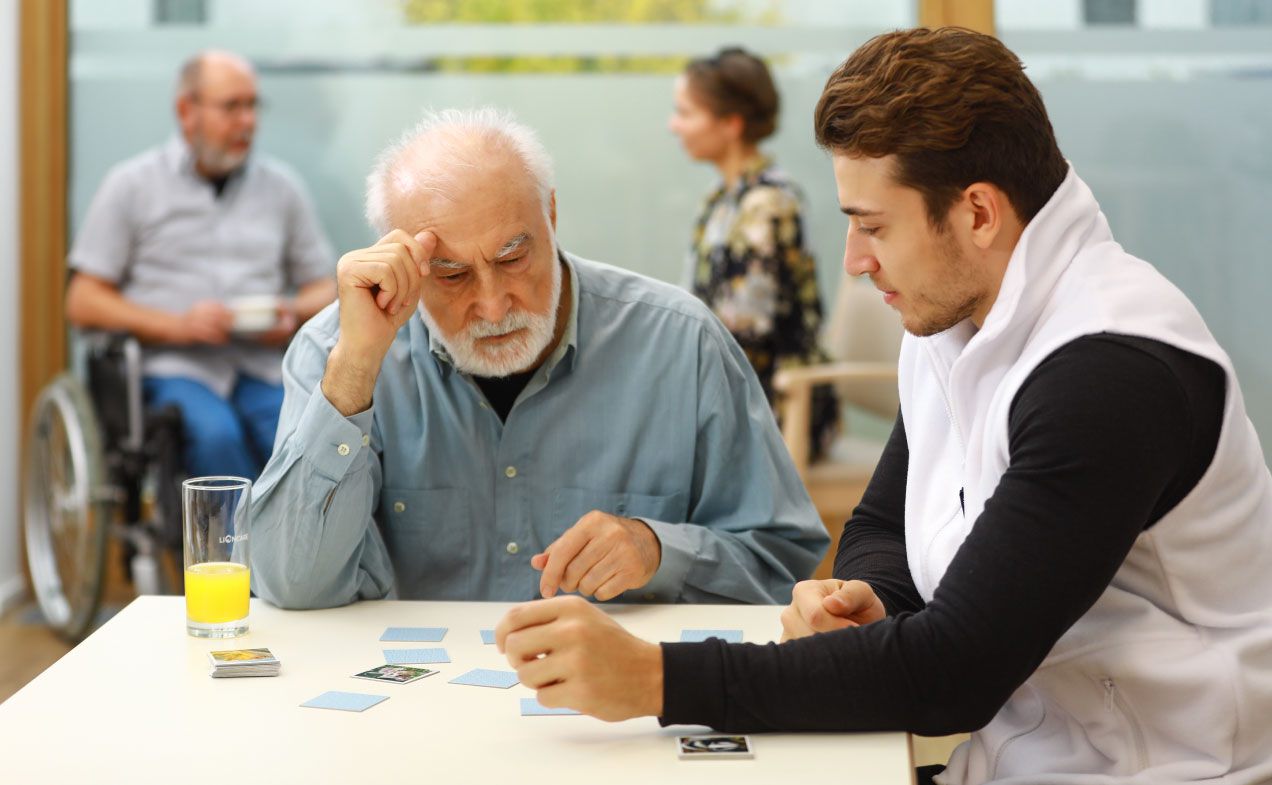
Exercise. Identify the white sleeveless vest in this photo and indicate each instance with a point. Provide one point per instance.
(1168, 677)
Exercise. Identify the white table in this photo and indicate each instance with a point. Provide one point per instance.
(134, 704)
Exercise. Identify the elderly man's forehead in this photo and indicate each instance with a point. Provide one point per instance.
(421, 196)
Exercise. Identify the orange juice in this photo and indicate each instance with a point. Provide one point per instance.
(217, 592)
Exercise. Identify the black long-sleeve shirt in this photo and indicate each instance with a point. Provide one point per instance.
(1106, 436)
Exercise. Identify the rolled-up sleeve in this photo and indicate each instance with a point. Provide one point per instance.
(315, 542)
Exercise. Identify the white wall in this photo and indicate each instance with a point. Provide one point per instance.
(11, 582)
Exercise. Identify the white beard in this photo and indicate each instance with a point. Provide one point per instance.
(512, 356)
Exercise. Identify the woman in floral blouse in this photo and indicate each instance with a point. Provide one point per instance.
(748, 261)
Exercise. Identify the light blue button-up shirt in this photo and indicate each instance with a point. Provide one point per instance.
(646, 409)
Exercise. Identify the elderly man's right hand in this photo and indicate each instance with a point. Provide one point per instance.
(378, 289)
(831, 604)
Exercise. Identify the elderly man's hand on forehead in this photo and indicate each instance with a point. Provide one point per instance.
(378, 289)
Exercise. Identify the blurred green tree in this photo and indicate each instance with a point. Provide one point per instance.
(442, 12)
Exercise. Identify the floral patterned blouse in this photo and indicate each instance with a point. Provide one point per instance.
(750, 266)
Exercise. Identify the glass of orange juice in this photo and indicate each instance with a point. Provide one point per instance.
(217, 514)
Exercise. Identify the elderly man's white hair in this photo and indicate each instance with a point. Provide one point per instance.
(432, 157)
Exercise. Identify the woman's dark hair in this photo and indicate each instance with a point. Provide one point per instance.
(736, 82)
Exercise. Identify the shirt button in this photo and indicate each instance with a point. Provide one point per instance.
(343, 449)
(510, 472)
(399, 507)
(651, 596)
(512, 547)
(366, 439)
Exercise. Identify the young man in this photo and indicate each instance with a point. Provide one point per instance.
(1067, 545)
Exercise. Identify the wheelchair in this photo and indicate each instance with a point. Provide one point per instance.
(100, 464)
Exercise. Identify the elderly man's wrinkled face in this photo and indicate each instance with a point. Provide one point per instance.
(494, 291)
(219, 120)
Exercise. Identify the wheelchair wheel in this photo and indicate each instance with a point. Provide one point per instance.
(68, 507)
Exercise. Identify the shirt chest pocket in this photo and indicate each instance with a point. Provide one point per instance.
(571, 504)
(428, 533)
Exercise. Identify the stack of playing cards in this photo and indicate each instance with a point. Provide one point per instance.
(234, 663)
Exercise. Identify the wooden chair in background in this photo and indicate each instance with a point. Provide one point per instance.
(863, 339)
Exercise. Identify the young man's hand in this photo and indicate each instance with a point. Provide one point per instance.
(575, 656)
(831, 604)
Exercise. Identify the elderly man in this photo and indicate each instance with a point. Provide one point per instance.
(1066, 548)
(173, 236)
(485, 417)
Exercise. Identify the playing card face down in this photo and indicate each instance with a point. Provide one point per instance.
(415, 656)
(344, 701)
(483, 677)
(414, 634)
(697, 636)
(532, 708)
(716, 746)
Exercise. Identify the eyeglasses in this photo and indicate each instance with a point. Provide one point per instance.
(235, 106)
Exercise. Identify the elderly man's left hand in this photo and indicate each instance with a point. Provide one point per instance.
(602, 556)
(575, 656)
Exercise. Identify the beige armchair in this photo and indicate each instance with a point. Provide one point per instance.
(863, 339)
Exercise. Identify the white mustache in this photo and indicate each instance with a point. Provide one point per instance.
(512, 321)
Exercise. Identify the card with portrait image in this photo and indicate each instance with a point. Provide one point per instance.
(717, 746)
(395, 674)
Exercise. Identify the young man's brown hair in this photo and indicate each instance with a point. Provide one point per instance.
(954, 106)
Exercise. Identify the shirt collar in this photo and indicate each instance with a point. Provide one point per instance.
(566, 349)
(748, 178)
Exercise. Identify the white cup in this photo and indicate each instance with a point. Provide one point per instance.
(254, 313)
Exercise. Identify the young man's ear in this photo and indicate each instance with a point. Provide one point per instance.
(985, 208)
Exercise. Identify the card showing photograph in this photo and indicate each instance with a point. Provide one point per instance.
(714, 746)
(395, 674)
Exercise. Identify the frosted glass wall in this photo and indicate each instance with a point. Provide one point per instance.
(343, 77)
(1169, 119)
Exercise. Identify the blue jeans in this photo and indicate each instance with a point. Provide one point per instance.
(233, 437)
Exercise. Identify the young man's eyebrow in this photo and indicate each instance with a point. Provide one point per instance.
(859, 212)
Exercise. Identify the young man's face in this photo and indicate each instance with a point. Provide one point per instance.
(924, 273)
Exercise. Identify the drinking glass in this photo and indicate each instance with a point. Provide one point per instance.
(217, 515)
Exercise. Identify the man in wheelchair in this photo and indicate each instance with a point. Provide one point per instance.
(193, 247)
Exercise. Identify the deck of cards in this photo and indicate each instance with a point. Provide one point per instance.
(237, 663)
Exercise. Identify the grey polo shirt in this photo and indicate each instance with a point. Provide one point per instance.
(158, 231)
